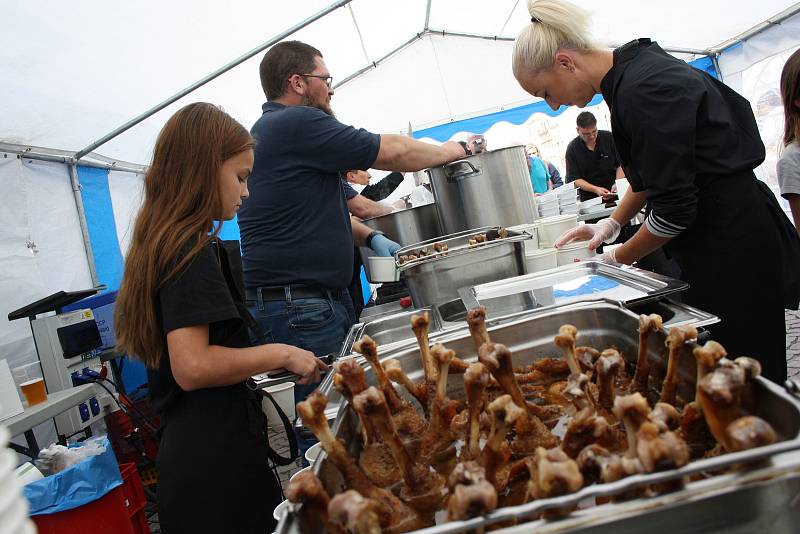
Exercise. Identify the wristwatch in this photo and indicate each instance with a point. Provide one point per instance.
(372, 234)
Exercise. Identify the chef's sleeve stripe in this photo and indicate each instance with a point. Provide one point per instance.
(661, 227)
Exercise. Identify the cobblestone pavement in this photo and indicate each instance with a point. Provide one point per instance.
(793, 342)
(279, 442)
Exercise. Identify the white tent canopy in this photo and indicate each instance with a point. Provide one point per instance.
(75, 71)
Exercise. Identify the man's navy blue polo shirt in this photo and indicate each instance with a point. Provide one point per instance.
(295, 226)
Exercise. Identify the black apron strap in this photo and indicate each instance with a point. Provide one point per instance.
(229, 252)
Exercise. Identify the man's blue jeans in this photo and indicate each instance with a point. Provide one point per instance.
(318, 325)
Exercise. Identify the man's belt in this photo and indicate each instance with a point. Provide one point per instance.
(295, 291)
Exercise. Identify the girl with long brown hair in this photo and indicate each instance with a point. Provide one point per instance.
(789, 164)
(179, 309)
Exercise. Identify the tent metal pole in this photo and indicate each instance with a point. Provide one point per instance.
(378, 61)
(177, 96)
(510, 14)
(65, 161)
(757, 29)
(446, 33)
(715, 62)
(76, 193)
(427, 16)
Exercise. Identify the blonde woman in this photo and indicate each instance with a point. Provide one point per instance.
(688, 145)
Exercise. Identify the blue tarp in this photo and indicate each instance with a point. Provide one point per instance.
(520, 114)
(75, 486)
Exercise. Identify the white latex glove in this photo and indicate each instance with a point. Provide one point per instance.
(605, 231)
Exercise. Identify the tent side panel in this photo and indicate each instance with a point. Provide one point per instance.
(102, 227)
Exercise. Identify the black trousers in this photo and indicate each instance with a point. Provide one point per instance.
(742, 264)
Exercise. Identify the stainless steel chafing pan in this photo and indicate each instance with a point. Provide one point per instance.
(749, 495)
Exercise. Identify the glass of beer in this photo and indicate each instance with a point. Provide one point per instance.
(34, 391)
(30, 381)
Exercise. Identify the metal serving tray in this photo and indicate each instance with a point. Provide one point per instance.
(586, 280)
(437, 278)
(603, 324)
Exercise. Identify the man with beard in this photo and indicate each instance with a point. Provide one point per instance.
(297, 234)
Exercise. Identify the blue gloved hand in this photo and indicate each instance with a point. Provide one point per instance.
(383, 246)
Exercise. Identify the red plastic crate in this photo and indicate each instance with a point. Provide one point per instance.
(120, 511)
(134, 497)
(106, 515)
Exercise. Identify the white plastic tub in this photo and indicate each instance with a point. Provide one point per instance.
(551, 228)
(281, 509)
(284, 396)
(575, 252)
(541, 259)
(313, 452)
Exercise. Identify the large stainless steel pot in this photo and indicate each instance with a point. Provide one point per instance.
(406, 227)
(488, 189)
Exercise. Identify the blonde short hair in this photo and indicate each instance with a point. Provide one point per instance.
(555, 25)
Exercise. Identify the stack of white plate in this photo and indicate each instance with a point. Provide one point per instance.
(13, 507)
(547, 204)
(567, 200)
(592, 205)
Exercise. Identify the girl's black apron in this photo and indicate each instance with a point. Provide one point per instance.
(213, 467)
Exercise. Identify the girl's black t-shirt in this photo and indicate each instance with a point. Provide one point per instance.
(200, 294)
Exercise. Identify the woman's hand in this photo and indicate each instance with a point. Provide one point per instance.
(606, 230)
(305, 365)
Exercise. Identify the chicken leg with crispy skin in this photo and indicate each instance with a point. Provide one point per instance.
(720, 396)
(565, 340)
(394, 371)
(420, 325)
(693, 427)
(306, 489)
(392, 512)
(407, 420)
(647, 324)
(678, 335)
(749, 432)
(495, 453)
(476, 320)
(660, 451)
(607, 366)
(437, 444)
(633, 411)
(357, 514)
(471, 495)
(553, 474)
(531, 432)
(598, 464)
(349, 380)
(423, 488)
(475, 381)
(587, 426)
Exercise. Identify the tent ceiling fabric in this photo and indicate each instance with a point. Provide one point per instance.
(73, 72)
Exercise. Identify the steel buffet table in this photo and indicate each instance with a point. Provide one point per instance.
(761, 498)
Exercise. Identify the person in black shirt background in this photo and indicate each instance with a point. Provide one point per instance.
(688, 144)
(592, 159)
(181, 310)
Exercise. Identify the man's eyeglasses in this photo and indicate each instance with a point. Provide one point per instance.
(327, 79)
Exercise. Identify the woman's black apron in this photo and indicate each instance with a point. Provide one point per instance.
(741, 256)
(213, 467)
(741, 259)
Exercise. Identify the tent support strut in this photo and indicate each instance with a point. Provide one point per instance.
(177, 96)
(87, 244)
